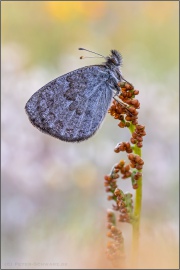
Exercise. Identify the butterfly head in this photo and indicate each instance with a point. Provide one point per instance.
(115, 59)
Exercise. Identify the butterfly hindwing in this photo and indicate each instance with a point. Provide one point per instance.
(72, 106)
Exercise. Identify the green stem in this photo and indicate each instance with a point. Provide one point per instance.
(137, 212)
(136, 223)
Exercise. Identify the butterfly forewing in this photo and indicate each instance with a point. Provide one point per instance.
(73, 106)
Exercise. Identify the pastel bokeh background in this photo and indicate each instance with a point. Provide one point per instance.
(53, 199)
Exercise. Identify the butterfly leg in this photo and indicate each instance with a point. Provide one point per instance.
(125, 80)
(116, 91)
(116, 98)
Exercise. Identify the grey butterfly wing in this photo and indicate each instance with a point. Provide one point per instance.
(72, 107)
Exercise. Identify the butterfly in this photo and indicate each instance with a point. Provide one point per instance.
(73, 106)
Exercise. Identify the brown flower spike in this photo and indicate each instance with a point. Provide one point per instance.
(124, 110)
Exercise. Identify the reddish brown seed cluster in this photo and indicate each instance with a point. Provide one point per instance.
(124, 205)
(123, 146)
(115, 248)
(135, 176)
(117, 110)
(128, 107)
(137, 135)
(136, 161)
(124, 109)
(124, 169)
(111, 179)
(111, 183)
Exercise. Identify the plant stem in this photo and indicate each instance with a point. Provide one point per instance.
(137, 211)
(137, 215)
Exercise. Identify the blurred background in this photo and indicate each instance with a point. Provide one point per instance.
(53, 198)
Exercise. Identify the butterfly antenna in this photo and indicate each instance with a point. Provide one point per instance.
(82, 49)
(83, 57)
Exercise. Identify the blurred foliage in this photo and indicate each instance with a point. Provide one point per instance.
(47, 28)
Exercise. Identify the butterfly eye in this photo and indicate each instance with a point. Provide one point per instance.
(115, 61)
